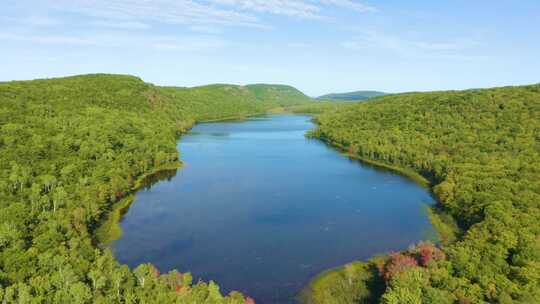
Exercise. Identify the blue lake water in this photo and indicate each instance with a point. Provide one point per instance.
(261, 209)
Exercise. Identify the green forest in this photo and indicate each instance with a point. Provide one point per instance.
(480, 152)
(351, 96)
(71, 149)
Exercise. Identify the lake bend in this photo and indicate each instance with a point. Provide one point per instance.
(260, 208)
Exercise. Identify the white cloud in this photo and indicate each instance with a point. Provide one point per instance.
(40, 21)
(48, 39)
(135, 14)
(446, 46)
(126, 25)
(293, 8)
(163, 11)
(359, 7)
(299, 45)
(352, 45)
(205, 29)
(372, 40)
(161, 43)
(308, 9)
(188, 44)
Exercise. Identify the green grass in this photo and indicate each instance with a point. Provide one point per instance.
(356, 282)
(110, 230)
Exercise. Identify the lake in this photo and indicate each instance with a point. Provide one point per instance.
(261, 209)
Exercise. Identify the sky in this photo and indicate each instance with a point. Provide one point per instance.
(318, 46)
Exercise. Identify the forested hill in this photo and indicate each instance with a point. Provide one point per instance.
(280, 94)
(70, 149)
(351, 96)
(481, 151)
(223, 100)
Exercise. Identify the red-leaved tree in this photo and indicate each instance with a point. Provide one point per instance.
(397, 263)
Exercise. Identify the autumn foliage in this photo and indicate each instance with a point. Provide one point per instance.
(397, 263)
(420, 256)
(428, 252)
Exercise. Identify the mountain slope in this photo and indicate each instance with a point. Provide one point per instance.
(351, 96)
(223, 100)
(215, 101)
(281, 95)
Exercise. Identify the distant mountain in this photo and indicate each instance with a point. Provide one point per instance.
(282, 95)
(351, 96)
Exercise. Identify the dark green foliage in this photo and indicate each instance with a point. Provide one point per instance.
(351, 96)
(70, 148)
(481, 151)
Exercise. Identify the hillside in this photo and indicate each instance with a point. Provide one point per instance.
(281, 95)
(351, 96)
(71, 149)
(222, 100)
(215, 101)
(481, 152)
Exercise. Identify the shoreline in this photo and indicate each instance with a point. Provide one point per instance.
(407, 172)
(108, 229)
(444, 226)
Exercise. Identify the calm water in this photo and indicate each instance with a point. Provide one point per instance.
(261, 209)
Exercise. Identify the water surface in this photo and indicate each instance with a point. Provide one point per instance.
(260, 209)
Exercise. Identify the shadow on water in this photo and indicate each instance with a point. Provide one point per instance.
(164, 175)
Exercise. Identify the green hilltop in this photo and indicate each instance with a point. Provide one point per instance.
(224, 100)
(282, 95)
(351, 96)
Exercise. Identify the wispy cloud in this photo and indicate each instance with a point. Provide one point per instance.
(160, 43)
(48, 39)
(126, 25)
(205, 29)
(136, 14)
(293, 8)
(188, 44)
(162, 11)
(356, 6)
(307, 9)
(372, 40)
(299, 45)
(41, 21)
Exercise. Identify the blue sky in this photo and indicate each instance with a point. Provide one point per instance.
(318, 46)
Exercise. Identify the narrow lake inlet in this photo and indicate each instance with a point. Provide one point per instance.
(261, 209)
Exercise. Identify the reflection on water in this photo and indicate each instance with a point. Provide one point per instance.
(164, 175)
(259, 208)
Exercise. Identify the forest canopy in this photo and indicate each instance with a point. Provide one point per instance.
(480, 149)
(73, 148)
(70, 149)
